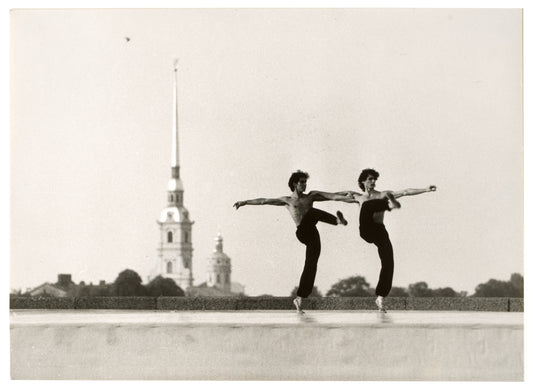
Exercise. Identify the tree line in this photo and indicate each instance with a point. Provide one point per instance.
(129, 283)
(358, 286)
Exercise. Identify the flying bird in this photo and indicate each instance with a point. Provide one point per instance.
(127, 39)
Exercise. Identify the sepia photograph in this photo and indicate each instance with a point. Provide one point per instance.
(266, 194)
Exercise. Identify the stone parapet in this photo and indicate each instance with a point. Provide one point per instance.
(266, 303)
(516, 304)
(461, 304)
(49, 303)
(116, 303)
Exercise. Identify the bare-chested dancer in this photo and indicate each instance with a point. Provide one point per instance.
(305, 216)
(371, 228)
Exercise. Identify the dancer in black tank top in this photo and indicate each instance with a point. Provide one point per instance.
(371, 228)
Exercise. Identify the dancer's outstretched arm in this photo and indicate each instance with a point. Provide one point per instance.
(325, 196)
(261, 201)
(352, 195)
(398, 194)
(347, 192)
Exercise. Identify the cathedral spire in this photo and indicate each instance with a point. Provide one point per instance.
(175, 246)
(175, 146)
(175, 186)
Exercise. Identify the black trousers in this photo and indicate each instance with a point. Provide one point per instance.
(307, 234)
(376, 234)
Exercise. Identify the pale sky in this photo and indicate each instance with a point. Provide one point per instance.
(423, 96)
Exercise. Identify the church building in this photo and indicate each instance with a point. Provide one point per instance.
(175, 226)
(175, 251)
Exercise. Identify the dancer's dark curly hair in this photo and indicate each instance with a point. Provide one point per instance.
(295, 177)
(364, 175)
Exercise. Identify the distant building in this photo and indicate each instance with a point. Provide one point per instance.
(218, 275)
(100, 289)
(237, 288)
(219, 267)
(175, 246)
(64, 287)
(204, 290)
(175, 251)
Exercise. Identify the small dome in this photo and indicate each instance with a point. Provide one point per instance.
(220, 256)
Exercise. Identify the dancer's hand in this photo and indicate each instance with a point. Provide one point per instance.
(238, 204)
(432, 188)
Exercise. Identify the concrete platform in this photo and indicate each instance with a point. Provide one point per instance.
(267, 345)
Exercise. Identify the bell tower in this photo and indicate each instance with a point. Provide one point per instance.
(219, 267)
(175, 247)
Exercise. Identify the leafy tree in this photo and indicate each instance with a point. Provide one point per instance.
(494, 288)
(445, 292)
(161, 286)
(517, 281)
(512, 288)
(419, 289)
(314, 292)
(128, 283)
(83, 290)
(352, 286)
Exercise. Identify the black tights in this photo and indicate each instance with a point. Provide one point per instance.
(307, 234)
(376, 234)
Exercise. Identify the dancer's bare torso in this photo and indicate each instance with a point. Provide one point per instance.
(299, 206)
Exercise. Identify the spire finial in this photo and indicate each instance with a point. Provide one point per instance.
(175, 145)
(218, 242)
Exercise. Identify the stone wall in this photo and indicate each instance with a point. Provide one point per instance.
(266, 303)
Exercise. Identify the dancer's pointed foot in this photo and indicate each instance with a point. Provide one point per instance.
(298, 303)
(341, 218)
(393, 203)
(379, 303)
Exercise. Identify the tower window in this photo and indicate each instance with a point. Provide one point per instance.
(169, 267)
(186, 237)
(218, 278)
(169, 236)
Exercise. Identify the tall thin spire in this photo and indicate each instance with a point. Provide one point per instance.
(175, 186)
(175, 165)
